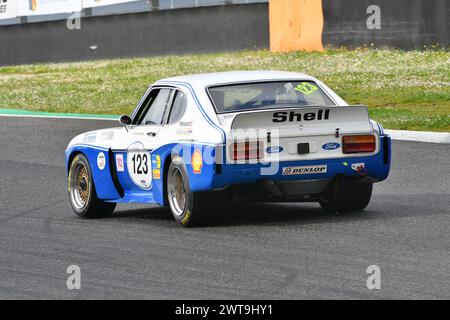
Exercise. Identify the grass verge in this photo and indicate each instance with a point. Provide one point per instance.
(407, 90)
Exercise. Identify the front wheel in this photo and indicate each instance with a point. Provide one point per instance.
(188, 208)
(82, 194)
(345, 195)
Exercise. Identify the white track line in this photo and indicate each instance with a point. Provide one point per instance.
(56, 117)
(421, 136)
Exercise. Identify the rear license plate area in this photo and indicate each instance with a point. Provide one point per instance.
(302, 148)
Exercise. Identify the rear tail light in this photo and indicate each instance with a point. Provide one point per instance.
(358, 144)
(247, 150)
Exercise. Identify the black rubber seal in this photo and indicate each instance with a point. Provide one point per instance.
(385, 150)
(113, 171)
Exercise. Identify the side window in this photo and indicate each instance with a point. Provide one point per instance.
(153, 112)
(178, 108)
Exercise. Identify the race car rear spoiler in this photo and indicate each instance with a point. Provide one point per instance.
(307, 120)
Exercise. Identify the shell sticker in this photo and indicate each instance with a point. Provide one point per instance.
(197, 161)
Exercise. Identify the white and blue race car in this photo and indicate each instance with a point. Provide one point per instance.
(195, 141)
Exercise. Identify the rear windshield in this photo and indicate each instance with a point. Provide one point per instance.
(266, 95)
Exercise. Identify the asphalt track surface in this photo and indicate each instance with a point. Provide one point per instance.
(267, 251)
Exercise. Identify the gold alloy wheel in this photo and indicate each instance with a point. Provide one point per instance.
(176, 191)
(82, 182)
(80, 186)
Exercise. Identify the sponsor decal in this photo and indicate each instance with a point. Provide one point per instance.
(287, 171)
(274, 149)
(119, 163)
(331, 146)
(186, 128)
(101, 161)
(185, 123)
(90, 137)
(109, 135)
(293, 116)
(306, 88)
(156, 174)
(197, 161)
(158, 161)
(183, 131)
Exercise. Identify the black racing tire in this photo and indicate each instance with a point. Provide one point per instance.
(190, 209)
(82, 195)
(346, 195)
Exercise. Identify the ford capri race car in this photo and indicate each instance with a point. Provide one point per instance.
(194, 142)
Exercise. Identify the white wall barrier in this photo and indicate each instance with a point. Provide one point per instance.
(21, 8)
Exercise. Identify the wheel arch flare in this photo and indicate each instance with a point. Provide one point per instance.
(99, 162)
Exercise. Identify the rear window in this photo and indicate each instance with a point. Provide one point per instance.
(267, 95)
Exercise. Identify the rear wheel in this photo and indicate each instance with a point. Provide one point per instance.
(188, 208)
(82, 194)
(345, 195)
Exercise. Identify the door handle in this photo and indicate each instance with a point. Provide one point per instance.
(151, 134)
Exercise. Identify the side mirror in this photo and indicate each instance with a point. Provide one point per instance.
(125, 120)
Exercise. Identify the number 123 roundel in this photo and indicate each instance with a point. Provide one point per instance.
(139, 165)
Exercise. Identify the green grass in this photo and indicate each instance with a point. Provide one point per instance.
(404, 90)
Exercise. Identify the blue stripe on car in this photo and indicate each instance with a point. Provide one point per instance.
(203, 112)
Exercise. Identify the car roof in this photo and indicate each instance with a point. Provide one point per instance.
(216, 78)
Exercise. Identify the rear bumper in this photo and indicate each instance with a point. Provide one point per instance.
(376, 168)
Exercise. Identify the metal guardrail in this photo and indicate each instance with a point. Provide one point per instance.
(175, 4)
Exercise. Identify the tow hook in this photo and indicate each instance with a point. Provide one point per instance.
(361, 170)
